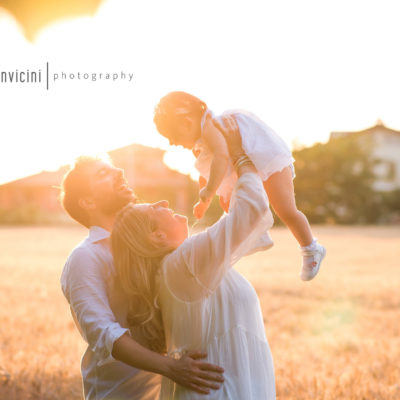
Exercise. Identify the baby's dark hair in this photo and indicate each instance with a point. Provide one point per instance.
(173, 107)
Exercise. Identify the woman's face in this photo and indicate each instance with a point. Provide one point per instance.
(171, 228)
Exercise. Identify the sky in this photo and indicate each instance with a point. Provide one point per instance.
(306, 68)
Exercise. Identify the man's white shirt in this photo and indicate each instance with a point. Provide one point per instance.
(86, 281)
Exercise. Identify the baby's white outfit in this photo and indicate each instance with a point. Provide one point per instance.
(268, 151)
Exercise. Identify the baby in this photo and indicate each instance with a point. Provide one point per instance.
(185, 120)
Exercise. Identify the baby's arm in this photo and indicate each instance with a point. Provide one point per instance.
(217, 145)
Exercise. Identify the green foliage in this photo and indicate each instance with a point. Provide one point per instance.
(334, 183)
(390, 206)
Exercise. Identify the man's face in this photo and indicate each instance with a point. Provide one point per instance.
(108, 187)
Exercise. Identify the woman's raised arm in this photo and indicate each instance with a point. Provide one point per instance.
(196, 268)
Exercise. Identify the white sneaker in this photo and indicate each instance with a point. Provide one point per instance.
(311, 267)
(265, 242)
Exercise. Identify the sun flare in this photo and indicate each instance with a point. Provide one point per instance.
(264, 68)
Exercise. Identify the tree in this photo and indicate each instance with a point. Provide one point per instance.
(334, 182)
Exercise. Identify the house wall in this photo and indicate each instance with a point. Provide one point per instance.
(387, 148)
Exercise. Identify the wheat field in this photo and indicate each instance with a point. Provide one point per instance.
(337, 337)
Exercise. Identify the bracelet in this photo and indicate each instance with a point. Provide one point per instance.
(242, 161)
(236, 158)
(249, 163)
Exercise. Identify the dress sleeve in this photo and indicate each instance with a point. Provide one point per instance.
(85, 289)
(196, 268)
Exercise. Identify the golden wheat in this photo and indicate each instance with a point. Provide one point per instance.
(337, 337)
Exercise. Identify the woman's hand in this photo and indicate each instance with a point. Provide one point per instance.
(231, 132)
(230, 129)
(194, 374)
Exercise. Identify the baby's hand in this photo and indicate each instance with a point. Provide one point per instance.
(199, 209)
(205, 195)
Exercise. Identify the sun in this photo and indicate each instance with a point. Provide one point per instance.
(72, 120)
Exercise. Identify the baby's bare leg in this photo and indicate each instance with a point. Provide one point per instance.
(280, 191)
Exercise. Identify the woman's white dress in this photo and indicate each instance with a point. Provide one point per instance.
(208, 306)
(266, 149)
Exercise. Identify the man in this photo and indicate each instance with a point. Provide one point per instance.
(114, 366)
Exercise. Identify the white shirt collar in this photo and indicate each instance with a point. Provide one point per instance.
(96, 233)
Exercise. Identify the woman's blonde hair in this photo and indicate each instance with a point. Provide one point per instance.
(137, 259)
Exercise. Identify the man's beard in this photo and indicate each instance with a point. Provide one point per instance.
(114, 203)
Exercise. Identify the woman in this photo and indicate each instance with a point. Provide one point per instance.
(183, 292)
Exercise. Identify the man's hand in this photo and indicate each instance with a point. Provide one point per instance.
(230, 129)
(194, 374)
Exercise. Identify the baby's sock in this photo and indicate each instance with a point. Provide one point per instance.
(307, 252)
(312, 246)
(313, 254)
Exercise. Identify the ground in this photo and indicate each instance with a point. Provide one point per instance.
(336, 337)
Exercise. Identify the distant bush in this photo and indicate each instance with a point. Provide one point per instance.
(334, 184)
(29, 214)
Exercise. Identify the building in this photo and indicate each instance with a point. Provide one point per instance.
(384, 144)
(35, 199)
(152, 180)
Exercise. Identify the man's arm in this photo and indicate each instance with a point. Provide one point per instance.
(85, 289)
(188, 371)
(84, 285)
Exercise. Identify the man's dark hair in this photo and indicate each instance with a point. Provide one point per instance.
(74, 186)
